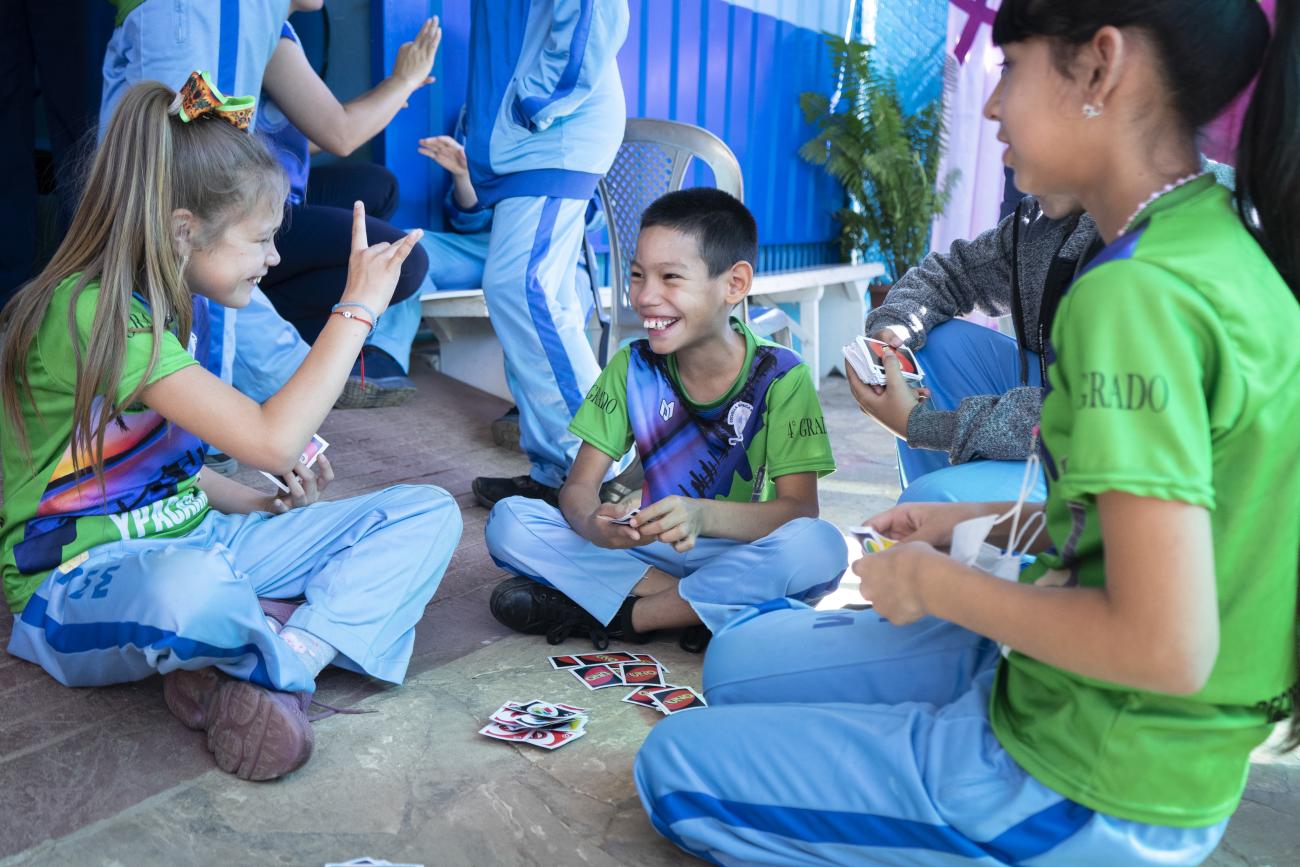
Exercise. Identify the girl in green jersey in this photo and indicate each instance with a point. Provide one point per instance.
(1102, 708)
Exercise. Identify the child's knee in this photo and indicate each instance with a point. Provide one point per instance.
(811, 546)
(666, 756)
(180, 580)
(431, 506)
(509, 521)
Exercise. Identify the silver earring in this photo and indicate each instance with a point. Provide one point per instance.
(1090, 111)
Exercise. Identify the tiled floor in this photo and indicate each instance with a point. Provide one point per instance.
(107, 777)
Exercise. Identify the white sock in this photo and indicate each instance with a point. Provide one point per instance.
(315, 654)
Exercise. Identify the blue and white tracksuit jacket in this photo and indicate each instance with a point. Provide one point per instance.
(545, 117)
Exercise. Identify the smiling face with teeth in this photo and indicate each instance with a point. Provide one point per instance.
(680, 305)
(226, 268)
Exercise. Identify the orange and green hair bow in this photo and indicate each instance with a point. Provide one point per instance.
(198, 97)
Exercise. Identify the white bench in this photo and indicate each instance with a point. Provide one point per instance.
(832, 310)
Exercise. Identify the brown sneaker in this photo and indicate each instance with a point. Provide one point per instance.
(253, 732)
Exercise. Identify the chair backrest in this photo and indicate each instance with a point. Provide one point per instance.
(652, 160)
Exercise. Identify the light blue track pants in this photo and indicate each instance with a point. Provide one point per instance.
(804, 559)
(960, 360)
(367, 566)
(455, 262)
(836, 738)
(530, 289)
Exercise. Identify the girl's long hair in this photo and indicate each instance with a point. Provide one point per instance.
(1210, 50)
(149, 164)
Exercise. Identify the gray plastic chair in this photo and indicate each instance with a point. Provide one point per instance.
(652, 160)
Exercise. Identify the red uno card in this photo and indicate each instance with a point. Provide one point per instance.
(642, 674)
(645, 657)
(642, 697)
(906, 361)
(597, 676)
(605, 658)
(562, 662)
(547, 739)
(674, 699)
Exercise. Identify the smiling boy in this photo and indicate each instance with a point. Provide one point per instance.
(732, 438)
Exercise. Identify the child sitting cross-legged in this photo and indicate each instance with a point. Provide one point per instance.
(731, 434)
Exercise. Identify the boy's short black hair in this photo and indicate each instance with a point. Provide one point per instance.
(723, 228)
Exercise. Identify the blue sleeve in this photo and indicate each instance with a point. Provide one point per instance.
(584, 38)
(463, 222)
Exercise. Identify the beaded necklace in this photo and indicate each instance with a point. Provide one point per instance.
(1167, 188)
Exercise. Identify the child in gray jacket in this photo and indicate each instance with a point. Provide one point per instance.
(969, 438)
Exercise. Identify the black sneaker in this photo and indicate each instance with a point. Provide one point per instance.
(488, 490)
(695, 639)
(535, 609)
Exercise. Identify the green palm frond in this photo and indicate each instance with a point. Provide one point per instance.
(887, 161)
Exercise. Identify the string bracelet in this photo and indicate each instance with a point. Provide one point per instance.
(341, 310)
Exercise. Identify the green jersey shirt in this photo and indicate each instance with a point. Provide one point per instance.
(1173, 371)
(724, 449)
(55, 510)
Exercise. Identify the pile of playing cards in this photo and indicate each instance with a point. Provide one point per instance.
(864, 355)
(536, 722)
(639, 670)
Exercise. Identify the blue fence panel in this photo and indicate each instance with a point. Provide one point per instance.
(713, 63)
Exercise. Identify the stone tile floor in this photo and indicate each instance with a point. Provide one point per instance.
(107, 777)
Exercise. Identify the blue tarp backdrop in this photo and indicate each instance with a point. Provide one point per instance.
(722, 65)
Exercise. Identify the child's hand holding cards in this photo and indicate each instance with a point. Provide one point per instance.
(865, 354)
(309, 456)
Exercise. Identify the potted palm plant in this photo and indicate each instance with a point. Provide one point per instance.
(887, 161)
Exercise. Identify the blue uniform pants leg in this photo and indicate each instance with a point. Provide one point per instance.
(367, 565)
(803, 559)
(529, 288)
(531, 538)
(961, 360)
(898, 766)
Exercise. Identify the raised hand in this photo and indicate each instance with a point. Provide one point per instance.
(373, 271)
(415, 58)
(446, 152)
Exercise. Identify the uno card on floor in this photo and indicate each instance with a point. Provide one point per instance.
(642, 697)
(642, 674)
(605, 658)
(675, 699)
(598, 676)
(314, 450)
(547, 739)
(645, 657)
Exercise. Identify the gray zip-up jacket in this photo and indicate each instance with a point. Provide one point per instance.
(1022, 267)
